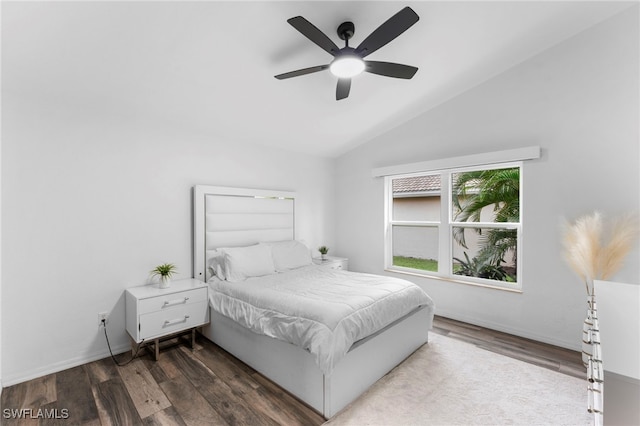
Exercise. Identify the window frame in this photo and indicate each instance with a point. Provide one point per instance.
(446, 225)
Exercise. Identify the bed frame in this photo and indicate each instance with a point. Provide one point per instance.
(234, 217)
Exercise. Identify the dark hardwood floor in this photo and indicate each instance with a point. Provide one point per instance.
(208, 386)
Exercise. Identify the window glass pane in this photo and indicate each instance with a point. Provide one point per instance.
(485, 253)
(416, 198)
(415, 247)
(486, 196)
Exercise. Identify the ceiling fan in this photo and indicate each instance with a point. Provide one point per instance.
(349, 62)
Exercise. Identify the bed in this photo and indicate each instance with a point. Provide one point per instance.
(250, 223)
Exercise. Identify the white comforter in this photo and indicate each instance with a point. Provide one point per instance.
(319, 309)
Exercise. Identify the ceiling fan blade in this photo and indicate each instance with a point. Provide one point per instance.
(344, 86)
(389, 30)
(390, 69)
(311, 32)
(303, 71)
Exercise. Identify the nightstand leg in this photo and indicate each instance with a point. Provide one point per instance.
(193, 339)
(133, 347)
(156, 349)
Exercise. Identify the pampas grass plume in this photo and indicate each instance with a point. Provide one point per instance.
(582, 245)
(588, 255)
(623, 234)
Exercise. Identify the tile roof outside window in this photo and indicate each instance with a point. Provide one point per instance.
(416, 184)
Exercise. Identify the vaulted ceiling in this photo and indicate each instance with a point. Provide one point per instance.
(210, 66)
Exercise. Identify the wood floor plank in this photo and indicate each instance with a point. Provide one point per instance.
(24, 401)
(74, 394)
(167, 370)
(14, 396)
(573, 370)
(145, 392)
(190, 405)
(218, 394)
(115, 406)
(13, 399)
(223, 355)
(259, 393)
(167, 417)
(23, 419)
(101, 371)
(156, 370)
(32, 394)
(283, 407)
(229, 369)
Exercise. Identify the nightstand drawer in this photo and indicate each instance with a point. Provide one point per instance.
(169, 301)
(173, 319)
(333, 262)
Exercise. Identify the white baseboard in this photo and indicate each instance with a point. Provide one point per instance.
(13, 379)
(575, 346)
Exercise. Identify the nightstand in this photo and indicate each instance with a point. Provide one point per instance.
(154, 313)
(333, 262)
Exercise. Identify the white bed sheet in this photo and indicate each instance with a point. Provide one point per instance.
(319, 309)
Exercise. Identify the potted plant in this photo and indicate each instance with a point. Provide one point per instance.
(164, 271)
(323, 251)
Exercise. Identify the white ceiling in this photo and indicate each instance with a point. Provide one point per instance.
(210, 65)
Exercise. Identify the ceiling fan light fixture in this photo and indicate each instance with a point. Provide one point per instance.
(348, 62)
(347, 66)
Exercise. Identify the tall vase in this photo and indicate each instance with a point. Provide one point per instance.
(589, 324)
(165, 281)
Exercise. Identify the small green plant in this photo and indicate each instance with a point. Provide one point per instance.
(164, 270)
(323, 249)
(482, 268)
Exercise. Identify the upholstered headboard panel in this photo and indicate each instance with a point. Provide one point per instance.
(236, 217)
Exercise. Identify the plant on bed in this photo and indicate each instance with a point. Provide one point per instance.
(323, 251)
(165, 272)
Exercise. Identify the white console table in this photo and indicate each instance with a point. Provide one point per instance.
(619, 321)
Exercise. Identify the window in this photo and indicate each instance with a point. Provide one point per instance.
(462, 224)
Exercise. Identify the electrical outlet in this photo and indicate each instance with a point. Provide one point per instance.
(103, 316)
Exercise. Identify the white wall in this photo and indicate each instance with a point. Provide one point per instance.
(92, 201)
(579, 102)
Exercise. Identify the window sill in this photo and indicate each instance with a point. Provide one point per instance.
(453, 280)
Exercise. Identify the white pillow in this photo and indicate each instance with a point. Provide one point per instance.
(289, 255)
(216, 264)
(244, 262)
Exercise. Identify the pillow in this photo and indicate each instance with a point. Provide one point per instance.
(289, 255)
(216, 264)
(244, 262)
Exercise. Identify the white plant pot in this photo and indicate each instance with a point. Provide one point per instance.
(165, 282)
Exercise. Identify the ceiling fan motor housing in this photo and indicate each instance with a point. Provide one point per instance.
(346, 30)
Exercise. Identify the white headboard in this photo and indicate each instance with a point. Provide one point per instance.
(237, 217)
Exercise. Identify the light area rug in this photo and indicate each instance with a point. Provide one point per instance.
(449, 382)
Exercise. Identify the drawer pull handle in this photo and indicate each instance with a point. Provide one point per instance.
(176, 321)
(175, 302)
